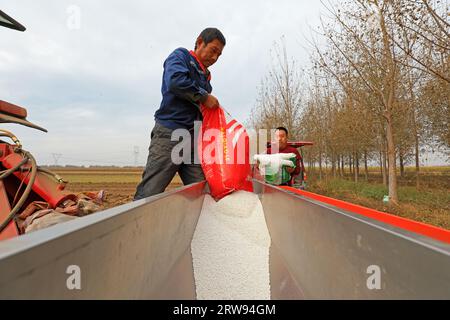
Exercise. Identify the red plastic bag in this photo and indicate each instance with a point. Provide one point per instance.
(224, 153)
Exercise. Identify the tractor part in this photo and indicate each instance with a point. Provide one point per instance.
(8, 22)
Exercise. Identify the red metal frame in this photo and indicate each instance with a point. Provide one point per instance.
(12, 109)
(11, 230)
(44, 188)
(295, 144)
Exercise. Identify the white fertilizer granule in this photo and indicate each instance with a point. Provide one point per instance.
(230, 249)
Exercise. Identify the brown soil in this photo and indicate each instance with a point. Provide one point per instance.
(116, 193)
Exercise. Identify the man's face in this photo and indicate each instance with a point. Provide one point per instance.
(208, 54)
(281, 138)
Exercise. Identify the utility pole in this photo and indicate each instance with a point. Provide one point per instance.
(56, 157)
(136, 155)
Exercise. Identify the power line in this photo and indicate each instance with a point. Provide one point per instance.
(56, 157)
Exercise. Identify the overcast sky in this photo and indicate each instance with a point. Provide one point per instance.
(95, 86)
(90, 71)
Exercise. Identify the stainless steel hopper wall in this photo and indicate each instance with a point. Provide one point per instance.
(142, 251)
(320, 251)
(136, 251)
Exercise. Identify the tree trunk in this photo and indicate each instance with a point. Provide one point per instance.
(338, 165)
(350, 164)
(402, 165)
(381, 164)
(320, 166)
(366, 169)
(417, 161)
(393, 196)
(415, 131)
(333, 165)
(357, 163)
(385, 179)
(389, 104)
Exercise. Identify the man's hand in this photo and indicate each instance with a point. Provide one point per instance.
(211, 102)
(290, 169)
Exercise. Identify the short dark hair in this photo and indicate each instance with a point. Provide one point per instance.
(209, 34)
(284, 129)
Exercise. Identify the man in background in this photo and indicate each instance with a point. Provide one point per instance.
(281, 143)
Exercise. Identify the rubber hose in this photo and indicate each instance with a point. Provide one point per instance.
(25, 194)
(8, 172)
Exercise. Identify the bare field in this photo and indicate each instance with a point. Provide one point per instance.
(119, 183)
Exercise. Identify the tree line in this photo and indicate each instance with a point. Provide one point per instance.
(376, 89)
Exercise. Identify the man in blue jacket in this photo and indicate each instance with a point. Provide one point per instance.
(185, 85)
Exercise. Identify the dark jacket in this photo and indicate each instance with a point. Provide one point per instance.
(184, 86)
